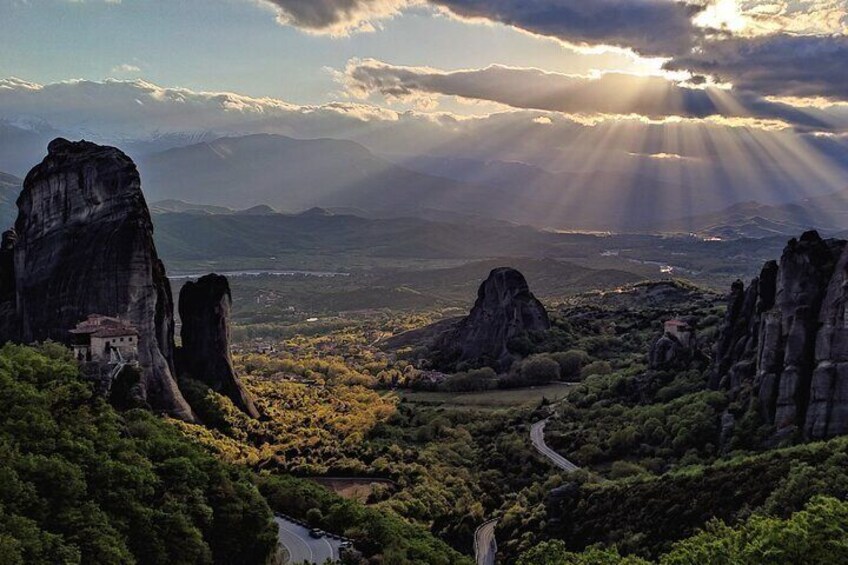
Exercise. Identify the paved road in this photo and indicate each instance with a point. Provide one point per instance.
(302, 547)
(537, 436)
(485, 546)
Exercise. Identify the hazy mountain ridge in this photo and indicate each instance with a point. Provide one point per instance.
(827, 213)
(295, 174)
(205, 236)
(292, 175)
(10, 188)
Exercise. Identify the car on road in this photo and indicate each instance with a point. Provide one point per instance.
(316, 533)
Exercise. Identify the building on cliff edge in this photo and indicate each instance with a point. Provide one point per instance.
(102, 339)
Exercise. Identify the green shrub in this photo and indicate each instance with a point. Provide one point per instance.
(570, 363)
(597, 368)
(539, 369)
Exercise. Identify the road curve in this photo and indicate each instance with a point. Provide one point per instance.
(303, 548)
(485, 546)
(537, 436)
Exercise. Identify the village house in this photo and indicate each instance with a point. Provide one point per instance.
(680, 330)
(104, 339)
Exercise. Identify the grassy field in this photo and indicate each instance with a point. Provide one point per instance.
(490, 398)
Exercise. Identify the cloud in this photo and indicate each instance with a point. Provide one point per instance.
(616, 94)
(649, 27)
(799, 17)
(122, 112)
(137, 107)
(779, 65)
(335, 17)
(126, 68)
(772, 47)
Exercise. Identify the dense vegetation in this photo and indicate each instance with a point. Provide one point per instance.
(451, 468)
(815, 535)
(81, 483)
(376, 533)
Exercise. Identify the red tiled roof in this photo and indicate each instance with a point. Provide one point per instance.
(104, 326)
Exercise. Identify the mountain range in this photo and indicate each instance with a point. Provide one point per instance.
(265, 173)
(293, 175)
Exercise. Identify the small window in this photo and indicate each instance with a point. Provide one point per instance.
(122, 340)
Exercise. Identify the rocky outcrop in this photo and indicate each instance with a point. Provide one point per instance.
(784, 341)
(505, 311)
(205, 353)
(83, 244)
(667, 352)
(8, 298)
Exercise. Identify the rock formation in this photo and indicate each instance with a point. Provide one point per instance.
(205, 353)
(505, 310)
(8, 300)
(784, 341)
(83, 244)
(668, 352)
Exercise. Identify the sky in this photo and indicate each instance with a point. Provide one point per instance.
(558, 83)
(240, 46)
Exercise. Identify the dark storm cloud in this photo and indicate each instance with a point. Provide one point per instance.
(649, 27)
(611, 93)
(781, 65)
(778, 64)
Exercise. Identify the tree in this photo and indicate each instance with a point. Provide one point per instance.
(817, 534)
(570, 363)
(539, 369)
(556, 553)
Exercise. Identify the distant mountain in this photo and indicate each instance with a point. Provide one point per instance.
(827, 213)
(258, 210)
(206, 237)
(172, 206)
(599, 200)
(289, 174)
(178, 206)
(21, 148)
(292, 175)
(10, 189)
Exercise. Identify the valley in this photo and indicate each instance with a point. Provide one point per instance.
(413, 391)
(423, 282)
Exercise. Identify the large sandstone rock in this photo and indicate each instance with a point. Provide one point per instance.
(785, 340)
(505, 310)
(83, 244)
(205, 353)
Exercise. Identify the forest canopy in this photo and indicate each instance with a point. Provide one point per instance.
(82, 483)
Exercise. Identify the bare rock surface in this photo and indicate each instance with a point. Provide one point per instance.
(83, 244)
(505, 310)
(784, 341)
(205, 353)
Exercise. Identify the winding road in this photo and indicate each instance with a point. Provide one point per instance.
(537, 436)
(304, 548)
(485, 546)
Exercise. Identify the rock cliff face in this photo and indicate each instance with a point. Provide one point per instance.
(83, 244)
(205, 353)
(505, 309)
(784, 341)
